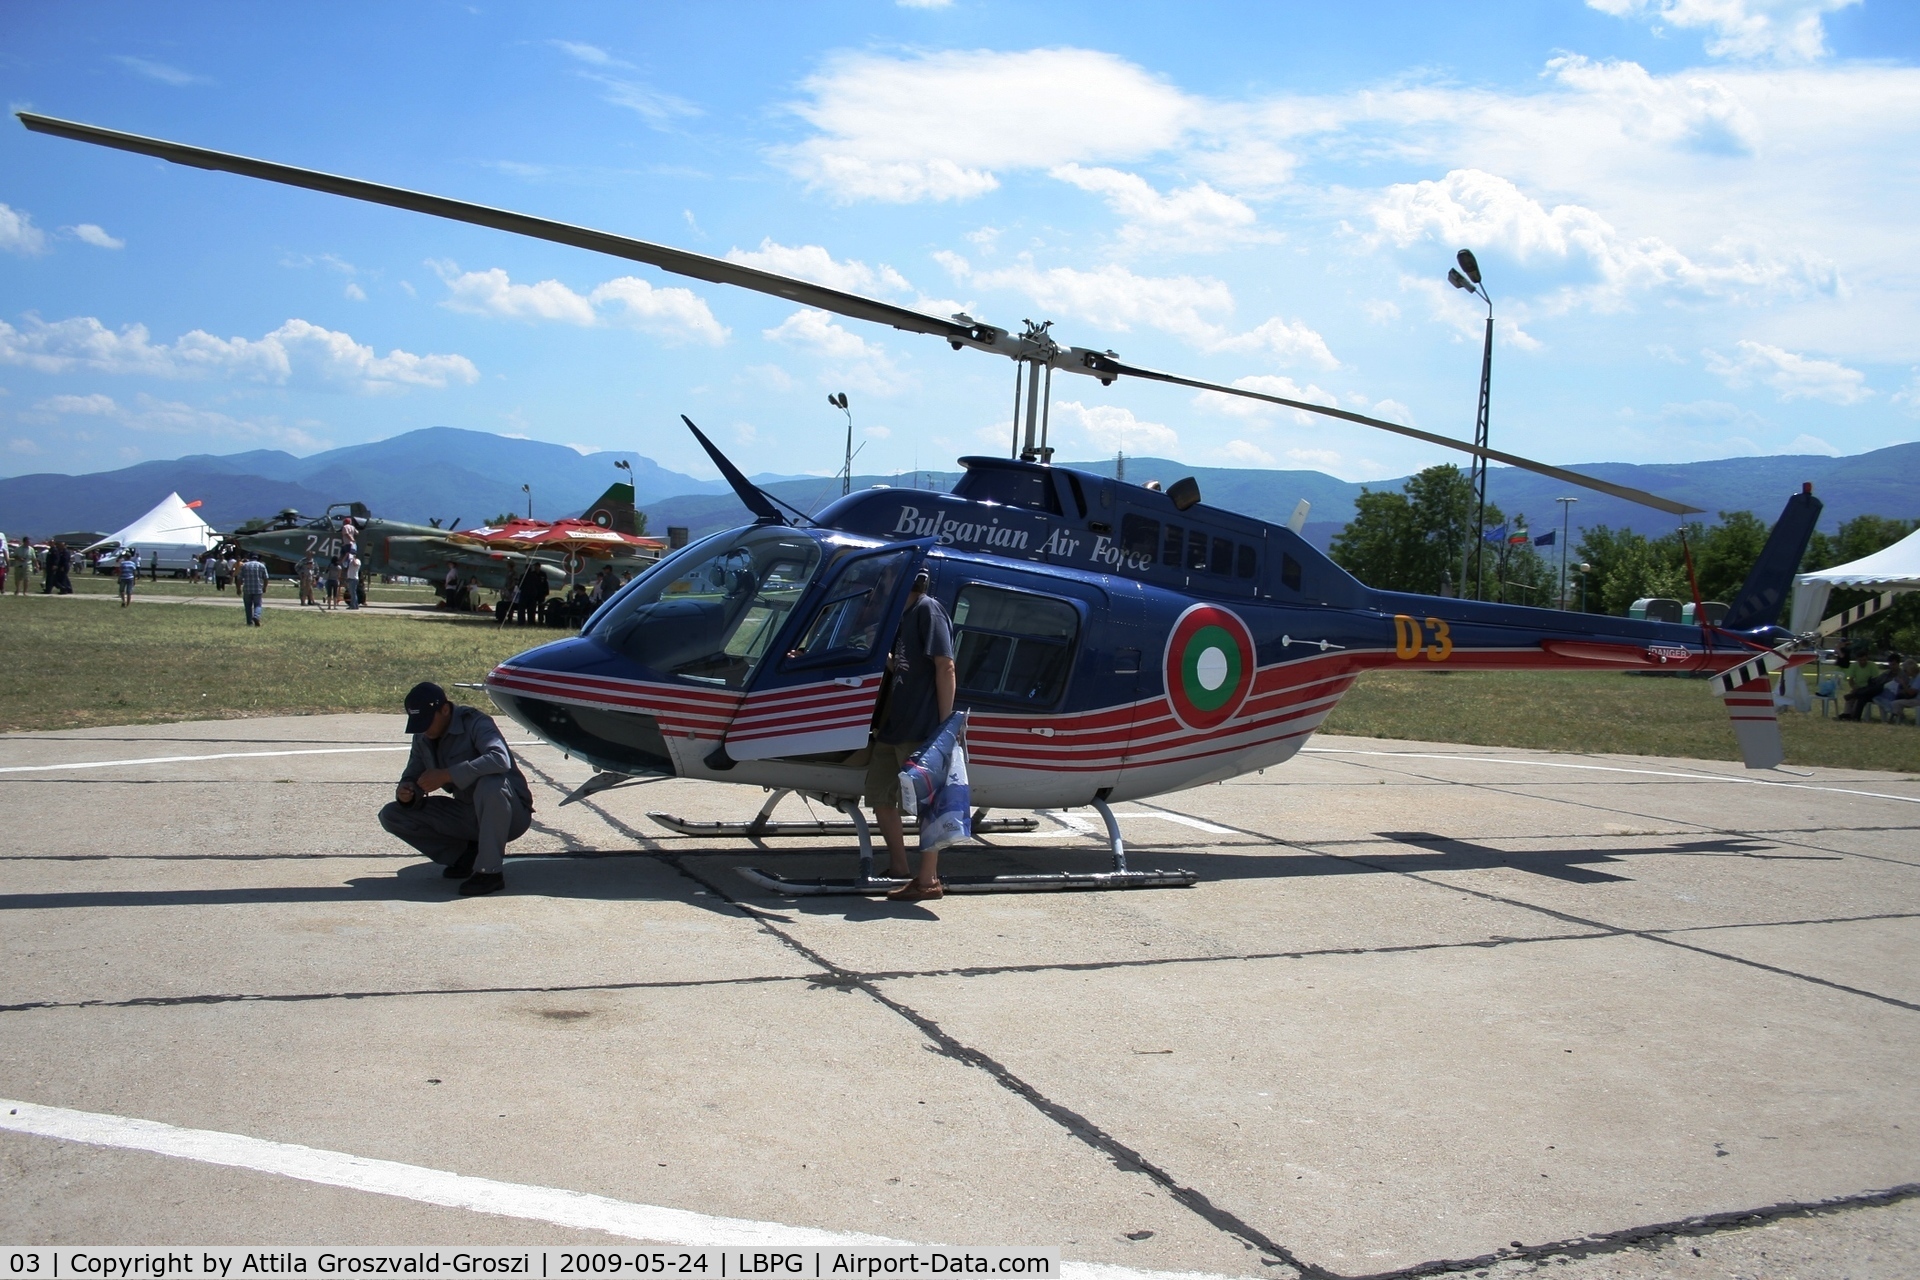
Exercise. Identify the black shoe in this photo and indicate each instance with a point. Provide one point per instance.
(482, 882)
(462, 867)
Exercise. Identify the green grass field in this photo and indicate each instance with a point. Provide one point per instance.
(90, 662)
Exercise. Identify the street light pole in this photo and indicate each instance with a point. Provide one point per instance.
(839, 401)
(528, 490)
(1470, 281)
(1566, 510)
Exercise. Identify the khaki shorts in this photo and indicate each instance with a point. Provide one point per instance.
(883, 773)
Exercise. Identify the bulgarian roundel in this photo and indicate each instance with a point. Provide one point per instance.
(1209, 666)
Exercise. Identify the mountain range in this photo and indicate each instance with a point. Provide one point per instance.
(465, 477)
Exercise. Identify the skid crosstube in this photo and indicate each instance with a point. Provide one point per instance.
(868, 883)
(1043, 882)
(819, 827)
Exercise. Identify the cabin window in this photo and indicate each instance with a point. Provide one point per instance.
(1197, 550)
(1140, 536)
(1289, 572)
(1223, 557)
(1011, 646)
(848, 624)
(709, 613)
(1249, 565)
(1176, 546)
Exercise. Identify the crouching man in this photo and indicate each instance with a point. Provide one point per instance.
(459, 750)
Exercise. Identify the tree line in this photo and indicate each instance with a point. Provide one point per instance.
(1417, 538)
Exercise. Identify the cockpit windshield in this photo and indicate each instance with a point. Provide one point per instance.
(710, 613)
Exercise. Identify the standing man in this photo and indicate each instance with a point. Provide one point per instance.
(459, 750)
(353, 577)
(253, 586)
(919, 701)
(6, 556)
(308, 572)
(23, 566)
(129, 574)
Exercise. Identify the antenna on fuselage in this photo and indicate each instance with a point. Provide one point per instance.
(756, 499)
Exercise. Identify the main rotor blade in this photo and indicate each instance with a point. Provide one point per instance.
(718, 271)
(677, 261)
(1107, 366)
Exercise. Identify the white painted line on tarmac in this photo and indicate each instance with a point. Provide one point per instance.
(1079, 826)
(1608, 768)
(412, 1182)
(222, 755)
(576, 1209)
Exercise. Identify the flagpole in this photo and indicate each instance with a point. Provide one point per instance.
(1566, 513)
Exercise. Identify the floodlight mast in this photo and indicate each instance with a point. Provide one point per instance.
(1470, 281)
(839, 401)
(1032, 347)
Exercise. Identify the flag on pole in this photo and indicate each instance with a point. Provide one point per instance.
(1518, 538)
(1496, 534)
(1546, 539)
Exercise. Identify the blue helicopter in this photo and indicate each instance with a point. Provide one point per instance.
(1112, 641)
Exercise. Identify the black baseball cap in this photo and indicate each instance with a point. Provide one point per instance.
(922, 581)
(423, 700)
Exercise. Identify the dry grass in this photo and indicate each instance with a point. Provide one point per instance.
(89, 662)
(1598, 711)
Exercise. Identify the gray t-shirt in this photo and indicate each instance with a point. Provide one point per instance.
(913, 704)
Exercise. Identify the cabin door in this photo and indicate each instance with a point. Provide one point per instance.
(819, 695)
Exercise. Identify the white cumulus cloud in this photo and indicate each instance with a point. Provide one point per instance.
(1793, 376)
(941, 126)
(812, 262)
(1787, 30)
(95, 235)
(298, 352)
(1190, 218)
(173, 417)
(670, 313)
(1475, 208)
(18, 234)
(1112, 428)
(1119, 299)
(850, 359)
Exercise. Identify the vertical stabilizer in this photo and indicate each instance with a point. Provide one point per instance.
(1756, 724)
(614, 510)
(1759, 602)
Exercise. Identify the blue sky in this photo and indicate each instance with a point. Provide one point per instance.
(1696, 218)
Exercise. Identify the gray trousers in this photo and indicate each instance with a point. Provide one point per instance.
(442, 826)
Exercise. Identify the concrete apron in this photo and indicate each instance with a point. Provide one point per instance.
(1426, 1002)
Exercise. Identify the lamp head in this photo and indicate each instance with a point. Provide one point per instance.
(1468, 264)
(1457, 280)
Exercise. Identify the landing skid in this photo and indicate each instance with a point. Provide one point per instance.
(763, 824)
(868, 883)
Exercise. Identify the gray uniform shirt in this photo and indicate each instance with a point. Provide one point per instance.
(470, 749)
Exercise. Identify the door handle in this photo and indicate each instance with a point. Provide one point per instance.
(852, 682)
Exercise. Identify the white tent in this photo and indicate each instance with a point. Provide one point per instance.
(173, 529)
(1897, 566)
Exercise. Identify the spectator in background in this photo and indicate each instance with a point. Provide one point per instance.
(253, 587)
(307, 573)
(6, 561)
(350, 577)
(129, 574)
(605, 585)
(1867, 679)
(220, 571)
(23, 565)
(504, 605)
(533, 595)
(56, 576)
(1901, 693)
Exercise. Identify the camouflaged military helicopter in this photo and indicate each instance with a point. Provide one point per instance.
(1113, 641)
